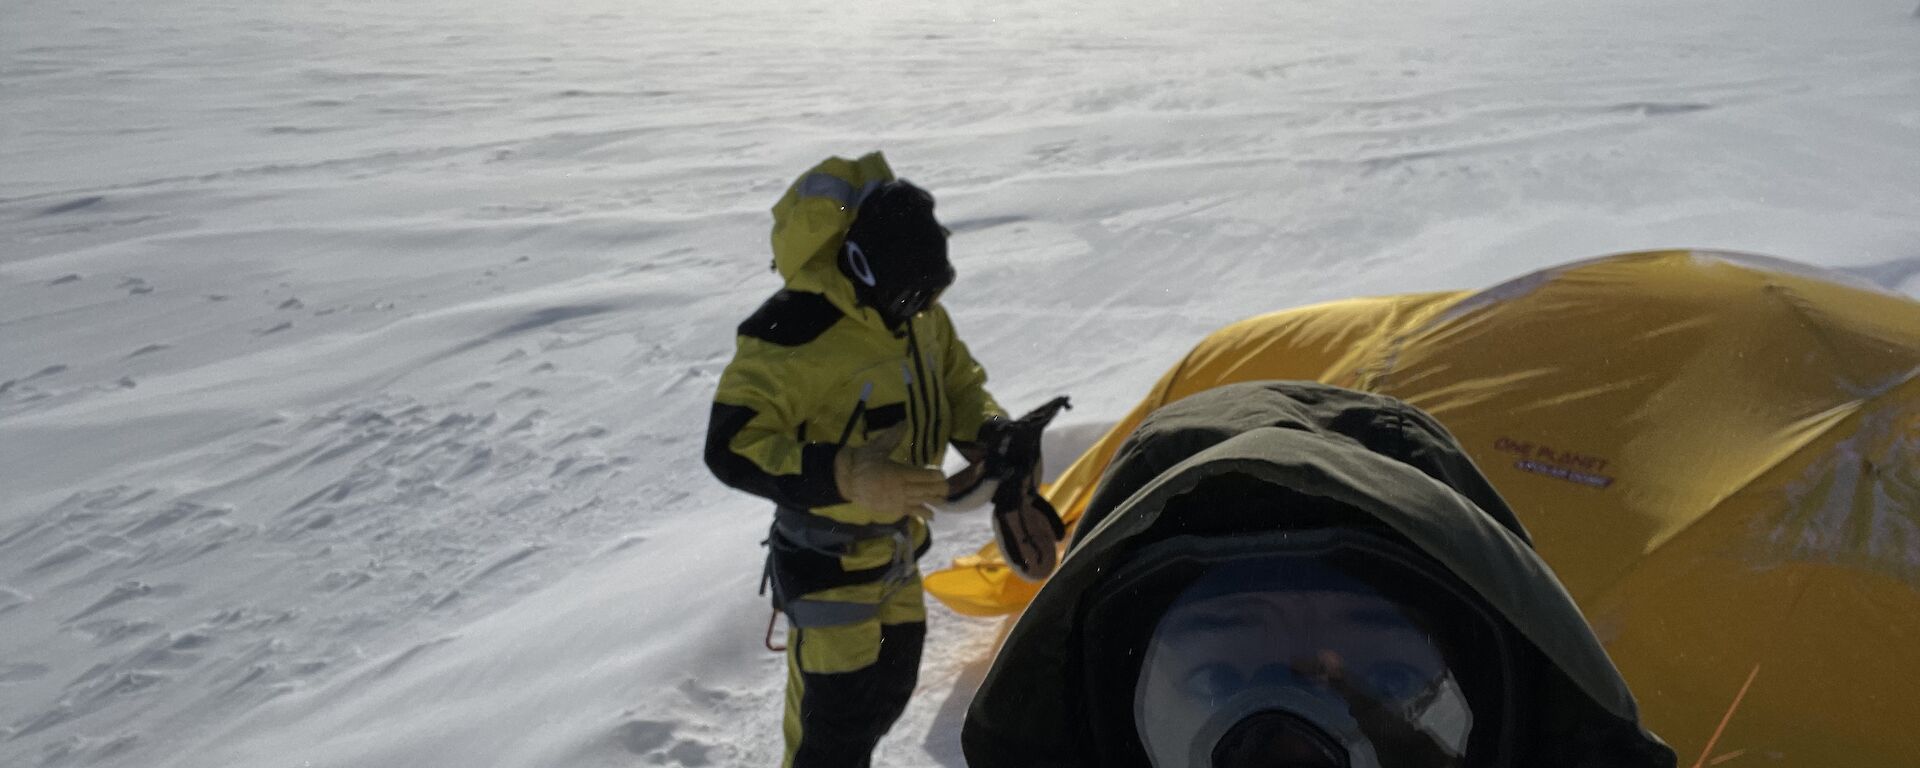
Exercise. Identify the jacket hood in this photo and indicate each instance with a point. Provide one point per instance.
(1379, 462)
(811, 221)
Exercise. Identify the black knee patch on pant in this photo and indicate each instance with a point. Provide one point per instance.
(843, 715)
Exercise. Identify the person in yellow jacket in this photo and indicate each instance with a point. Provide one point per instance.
(844, 392)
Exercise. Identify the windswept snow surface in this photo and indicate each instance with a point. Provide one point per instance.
(355, 356)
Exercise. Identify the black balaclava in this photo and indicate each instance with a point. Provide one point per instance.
(895, 253)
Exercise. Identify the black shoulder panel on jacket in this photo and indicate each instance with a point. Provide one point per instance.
(791, 318)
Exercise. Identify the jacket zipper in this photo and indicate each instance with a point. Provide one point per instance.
(929, 385)
(913, 412)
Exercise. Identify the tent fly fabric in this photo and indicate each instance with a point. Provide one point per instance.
(1719, 454)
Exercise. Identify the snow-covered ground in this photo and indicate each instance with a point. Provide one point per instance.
(355, 356)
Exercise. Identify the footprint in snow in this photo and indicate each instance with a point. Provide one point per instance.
(643, 736)
(64, 280)
(702, 695)
(654, 740)
(275, 329)
(690, 753)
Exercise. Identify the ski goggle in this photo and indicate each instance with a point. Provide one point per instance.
(899, 295)
(911, 301)
(1294, 651)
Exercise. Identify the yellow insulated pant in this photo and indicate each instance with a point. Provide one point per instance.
(847, 684)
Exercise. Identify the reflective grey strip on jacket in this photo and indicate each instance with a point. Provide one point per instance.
(834, 538)
(810, 614)
(835, 188)
(828, 536)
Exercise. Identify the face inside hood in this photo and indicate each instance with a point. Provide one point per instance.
(1236, 466)
(1323, 646)
(867, 241)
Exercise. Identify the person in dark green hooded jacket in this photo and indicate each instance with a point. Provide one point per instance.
(1295, 574)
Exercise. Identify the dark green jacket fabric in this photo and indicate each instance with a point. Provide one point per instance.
(1366, 460)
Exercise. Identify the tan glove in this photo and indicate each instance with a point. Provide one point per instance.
(868, 476)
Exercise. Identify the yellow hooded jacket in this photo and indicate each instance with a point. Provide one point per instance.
(814, 371)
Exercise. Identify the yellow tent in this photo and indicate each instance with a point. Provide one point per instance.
(1719, 454)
